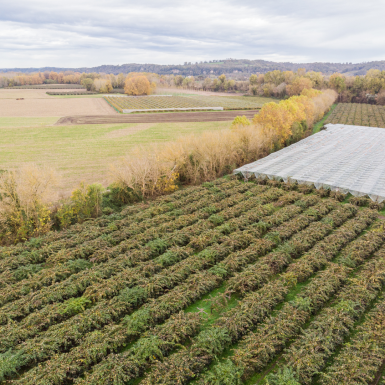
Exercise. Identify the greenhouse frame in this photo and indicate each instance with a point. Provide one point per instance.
(350, 159)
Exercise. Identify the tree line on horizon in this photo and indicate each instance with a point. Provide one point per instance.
(240, 68)
(368, 88)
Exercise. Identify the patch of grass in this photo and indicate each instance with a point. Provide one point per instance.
(205, 302)
(317, 127)
(10, 122)
(83, 152)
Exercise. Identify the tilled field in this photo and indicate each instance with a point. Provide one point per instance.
(36, 103)
(166, 117)
(210, 284)
(14, 93)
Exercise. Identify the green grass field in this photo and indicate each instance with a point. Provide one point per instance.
(317, 127)
(82, 152)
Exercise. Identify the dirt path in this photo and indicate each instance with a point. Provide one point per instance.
(156, 117)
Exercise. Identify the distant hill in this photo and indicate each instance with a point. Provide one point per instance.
(217, 67)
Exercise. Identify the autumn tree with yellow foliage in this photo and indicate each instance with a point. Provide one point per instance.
(197, 158)
(337, 82)
(137, 85)
(280, 121)
(25, 199)
(298, 85)
(103, 86)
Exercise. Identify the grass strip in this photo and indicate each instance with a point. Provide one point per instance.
(317, 127)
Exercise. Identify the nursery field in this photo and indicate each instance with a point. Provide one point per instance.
(127, 104)
(229, 282)
(356, 114)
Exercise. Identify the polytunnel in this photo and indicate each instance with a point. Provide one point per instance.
(344, 158)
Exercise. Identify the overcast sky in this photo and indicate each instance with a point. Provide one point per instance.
(76, 33)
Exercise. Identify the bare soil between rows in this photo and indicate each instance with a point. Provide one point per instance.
(179, 117)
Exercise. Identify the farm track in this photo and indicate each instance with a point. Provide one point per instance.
(165, 117)
(110, 301)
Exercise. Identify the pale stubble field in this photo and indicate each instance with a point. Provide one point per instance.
(36, 103)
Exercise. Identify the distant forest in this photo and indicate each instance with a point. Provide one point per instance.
(233, 67)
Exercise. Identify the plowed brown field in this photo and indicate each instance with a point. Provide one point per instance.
(156, 117)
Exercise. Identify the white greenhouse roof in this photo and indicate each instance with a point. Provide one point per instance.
(345, 158)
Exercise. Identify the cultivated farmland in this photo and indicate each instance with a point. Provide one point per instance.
(358, 115)
(83, 152)
(231, 270)
(161, 117)
(170, 102)
(92, 135)
(36, 103)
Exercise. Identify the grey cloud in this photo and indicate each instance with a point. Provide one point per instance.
(88, 33)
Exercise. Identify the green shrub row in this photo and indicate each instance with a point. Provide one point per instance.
(238, 320)
(257, 349)
(77, 283)
(308, 355)
(360, 360)
(133, 297)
